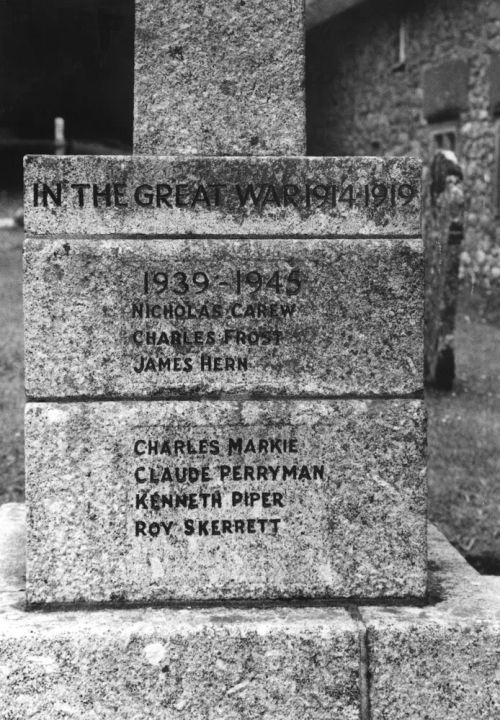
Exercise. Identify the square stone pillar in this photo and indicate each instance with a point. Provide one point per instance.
(224, 77)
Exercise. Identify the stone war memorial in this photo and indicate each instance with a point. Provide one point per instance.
(225, 424)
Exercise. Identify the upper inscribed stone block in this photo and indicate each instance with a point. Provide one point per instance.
(86, 196)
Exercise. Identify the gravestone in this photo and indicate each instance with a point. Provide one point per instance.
(444, 229)
(223, 354)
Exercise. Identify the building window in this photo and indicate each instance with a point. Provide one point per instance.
(446, 91)
(444, 136)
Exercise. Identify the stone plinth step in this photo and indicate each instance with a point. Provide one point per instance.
(190, 501)
(284, 663)
(441, 661)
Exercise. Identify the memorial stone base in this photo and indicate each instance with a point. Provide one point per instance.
(224, 379)
(440, 660)
(283, 499)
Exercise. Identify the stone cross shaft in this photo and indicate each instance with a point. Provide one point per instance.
(219, 78)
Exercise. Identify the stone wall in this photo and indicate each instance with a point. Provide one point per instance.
(363, 100)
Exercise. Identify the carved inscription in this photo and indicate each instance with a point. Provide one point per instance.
(215, 486)
(186, 196)
(261, 297)
(221, 194)
(168, 317)
(169, 276)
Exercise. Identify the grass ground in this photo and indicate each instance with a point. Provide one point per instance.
(11, 360)
(464, 442)
(464, 426)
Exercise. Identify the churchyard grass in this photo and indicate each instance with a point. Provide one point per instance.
(11, 361)
(464, 442)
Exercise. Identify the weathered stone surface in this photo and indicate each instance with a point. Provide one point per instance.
(441, 661)
(180, 664)
(219, 78)
(244, 664)
(332, 317)
(152, 664)
(385, 196)
(344, 511)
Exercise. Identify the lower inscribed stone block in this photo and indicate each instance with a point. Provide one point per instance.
(142, 502)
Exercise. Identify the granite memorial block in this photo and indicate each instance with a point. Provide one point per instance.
(155, 283)
(287, 197)
(320, 292)
(180, 501)
(223, 352)
(315, 317)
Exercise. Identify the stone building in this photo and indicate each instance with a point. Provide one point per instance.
(403, 77)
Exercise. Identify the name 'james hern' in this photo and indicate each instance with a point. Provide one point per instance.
(207, 363)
